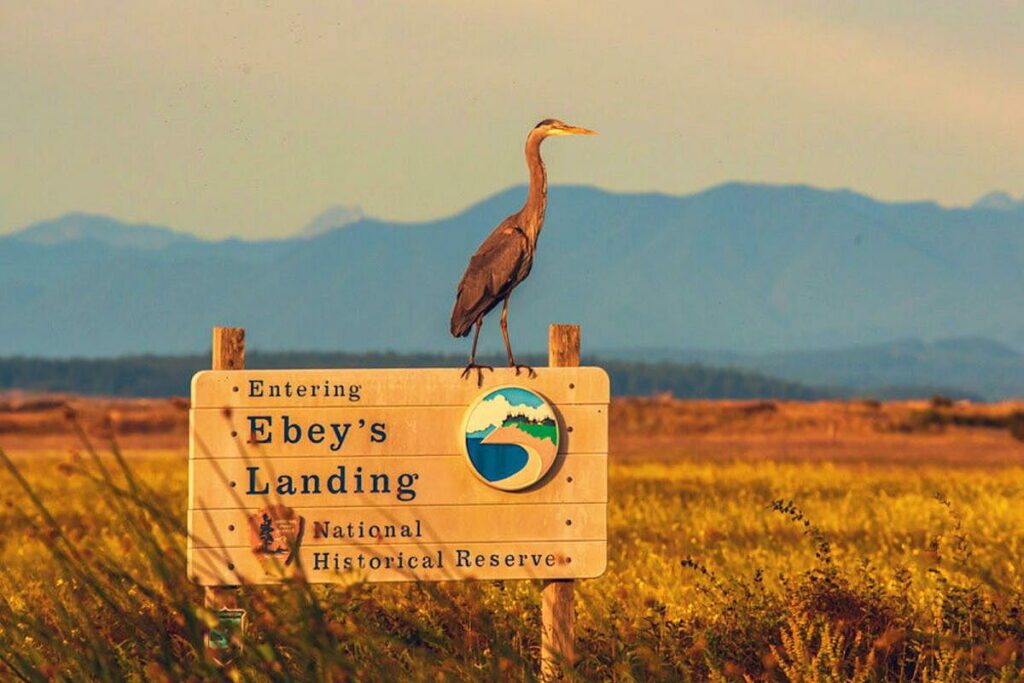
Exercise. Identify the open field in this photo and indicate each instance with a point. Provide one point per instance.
(899, 557)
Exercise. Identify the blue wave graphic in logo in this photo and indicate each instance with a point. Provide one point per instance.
(511, 438)
(496, 461)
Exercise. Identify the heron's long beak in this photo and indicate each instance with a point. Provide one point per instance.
(573, 130)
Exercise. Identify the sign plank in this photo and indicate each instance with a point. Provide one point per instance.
(346, 481)
(406, 387)
(294, 432)
(437, 524)
(397, 475)
(408, 562)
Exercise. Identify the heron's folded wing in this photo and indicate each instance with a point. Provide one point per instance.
(491, 274)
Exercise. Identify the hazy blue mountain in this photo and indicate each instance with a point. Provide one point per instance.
(331, 219)
(78, 227)
(963, 367)
(999, 201)
(748, 268)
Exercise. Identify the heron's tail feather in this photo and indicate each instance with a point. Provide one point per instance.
(461, 324)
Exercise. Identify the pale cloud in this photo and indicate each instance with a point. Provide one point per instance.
(247, 118)
(493, 413)
(930, 85)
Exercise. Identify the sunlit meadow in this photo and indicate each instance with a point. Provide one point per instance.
(725, 570)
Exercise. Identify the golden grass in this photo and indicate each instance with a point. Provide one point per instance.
(877, 572)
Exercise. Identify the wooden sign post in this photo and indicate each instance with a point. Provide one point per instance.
(228, 353)
(400, 475)
(558, 608)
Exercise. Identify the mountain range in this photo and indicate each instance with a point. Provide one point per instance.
(760, 271)
(972, 368)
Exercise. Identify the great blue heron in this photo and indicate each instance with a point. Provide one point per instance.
(505, 258)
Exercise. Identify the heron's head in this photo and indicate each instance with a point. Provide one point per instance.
(549, 127)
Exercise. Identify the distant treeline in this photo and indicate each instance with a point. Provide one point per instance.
(170, 375)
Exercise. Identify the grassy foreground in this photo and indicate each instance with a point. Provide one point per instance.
(757, 571)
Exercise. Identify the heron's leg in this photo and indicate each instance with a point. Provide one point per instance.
(476, 338)
(508, 345)
(472, 364)
(504, 333)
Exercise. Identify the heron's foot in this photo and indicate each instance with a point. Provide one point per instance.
(530, 372)
(470, 367)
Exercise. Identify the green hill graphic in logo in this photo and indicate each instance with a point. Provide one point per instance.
(511, 438)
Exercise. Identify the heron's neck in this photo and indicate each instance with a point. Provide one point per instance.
(537, 198)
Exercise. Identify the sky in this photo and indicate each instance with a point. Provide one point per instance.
(248, 118)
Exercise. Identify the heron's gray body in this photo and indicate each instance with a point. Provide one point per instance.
(505, 258)
(503, 261)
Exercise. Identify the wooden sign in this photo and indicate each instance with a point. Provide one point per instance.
(397, 475)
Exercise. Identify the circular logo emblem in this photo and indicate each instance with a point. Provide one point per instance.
(511, 438)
